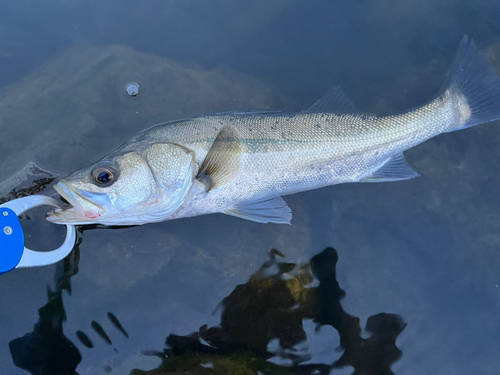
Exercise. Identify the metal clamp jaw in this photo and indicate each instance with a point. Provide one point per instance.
(13, 253)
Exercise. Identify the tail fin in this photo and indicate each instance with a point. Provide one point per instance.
(478, 82)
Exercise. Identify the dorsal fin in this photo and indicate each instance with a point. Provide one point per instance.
(334, 101)
(222, 162)
(250, 112)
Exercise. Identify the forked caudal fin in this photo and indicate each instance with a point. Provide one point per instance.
(477, 81)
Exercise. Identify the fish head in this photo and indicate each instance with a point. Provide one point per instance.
(132, 186)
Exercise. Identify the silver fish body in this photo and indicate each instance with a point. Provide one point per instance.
(287, 154)
(240, 164)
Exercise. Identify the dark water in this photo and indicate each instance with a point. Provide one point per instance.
(369, 279)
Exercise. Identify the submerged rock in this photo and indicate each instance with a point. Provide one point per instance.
(75, 104)
(31, 179)
(74, 109)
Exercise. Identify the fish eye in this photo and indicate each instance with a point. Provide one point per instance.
(104, 174)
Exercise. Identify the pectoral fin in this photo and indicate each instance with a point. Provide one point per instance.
(394, 169)
(222, 162)
(263, 210)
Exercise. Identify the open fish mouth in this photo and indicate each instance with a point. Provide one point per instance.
(81, 210)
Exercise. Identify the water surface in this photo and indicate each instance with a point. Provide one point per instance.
(369, 279)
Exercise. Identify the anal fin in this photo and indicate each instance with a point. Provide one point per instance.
(263, 210)
(394, 169)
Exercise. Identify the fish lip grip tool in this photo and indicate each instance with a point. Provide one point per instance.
(13, 253)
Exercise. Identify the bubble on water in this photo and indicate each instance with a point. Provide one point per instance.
(132, 88)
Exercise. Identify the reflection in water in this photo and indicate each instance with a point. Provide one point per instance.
(368, 356)
(84, 339)
(116, 323)
(269, 309)
(101, 332)
(262, 322)
(272, 306)
(46, 350)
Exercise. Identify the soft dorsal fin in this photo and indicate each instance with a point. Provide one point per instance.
(250, 112)
(334, 101)
(394, 169)
(263, 210)
(222, 162)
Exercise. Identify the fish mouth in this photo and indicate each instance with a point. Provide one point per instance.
(81, 210)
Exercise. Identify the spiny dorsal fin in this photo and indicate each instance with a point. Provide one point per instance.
(263, 210)
(394, 169)
(222, 162)
(334, 101)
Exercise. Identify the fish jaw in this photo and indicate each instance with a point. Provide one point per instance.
(83, 211)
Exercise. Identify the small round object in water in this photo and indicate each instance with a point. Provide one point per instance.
(132, 88)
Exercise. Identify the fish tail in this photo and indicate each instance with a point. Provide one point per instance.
(476, 85)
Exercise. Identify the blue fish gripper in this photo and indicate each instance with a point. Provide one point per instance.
(13, 253)
(11, 240)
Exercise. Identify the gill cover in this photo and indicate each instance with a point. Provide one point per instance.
(173, 167)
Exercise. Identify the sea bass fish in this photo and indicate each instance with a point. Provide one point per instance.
(241, 164)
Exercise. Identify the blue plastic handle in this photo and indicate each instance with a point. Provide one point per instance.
(11, 240)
